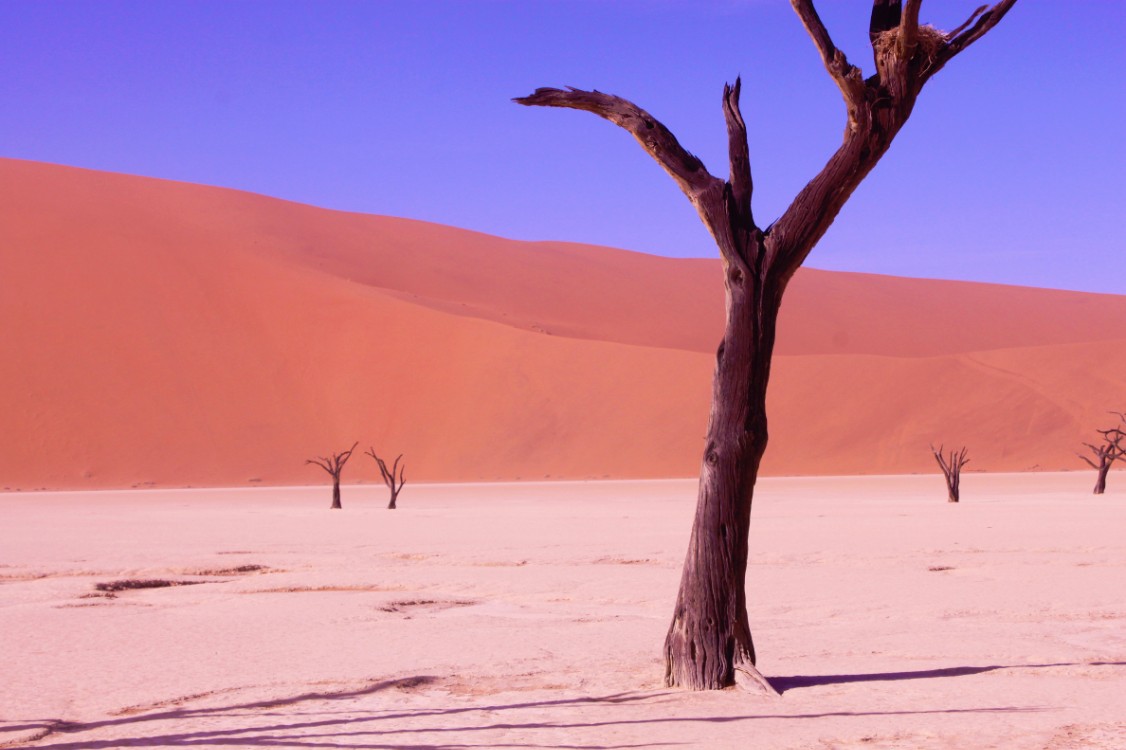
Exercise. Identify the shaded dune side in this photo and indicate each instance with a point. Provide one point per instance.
(157, 332)
(1019, 409)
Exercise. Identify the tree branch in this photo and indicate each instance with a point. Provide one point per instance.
(963, 37)
(941, 460)
(977, 12)
(321, 462)
(909, 29)
(847, 76)
(688, 171)
(886, 15)
(740, 180)
(335, 464)
(389, 477)
(793, 235)
(343, 457)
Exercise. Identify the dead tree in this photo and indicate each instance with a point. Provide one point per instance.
(334, 466)
(393, 482)
(709, 644)
(952, 469)
(1112, 448)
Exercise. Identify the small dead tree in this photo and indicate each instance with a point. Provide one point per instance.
(952, 469)
(1112, 449)
(393, 478)
(334, 465)
(709, 646)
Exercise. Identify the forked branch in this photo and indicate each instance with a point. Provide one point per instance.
(906, 58)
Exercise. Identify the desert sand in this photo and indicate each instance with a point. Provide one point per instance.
(165, 334)
(532, 615)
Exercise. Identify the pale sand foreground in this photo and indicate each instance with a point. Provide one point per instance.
(491, 616)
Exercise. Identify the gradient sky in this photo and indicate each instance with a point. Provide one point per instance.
(1010, 170)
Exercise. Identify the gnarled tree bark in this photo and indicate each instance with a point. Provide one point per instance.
(709, 643)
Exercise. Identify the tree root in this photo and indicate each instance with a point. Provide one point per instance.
(749, 679)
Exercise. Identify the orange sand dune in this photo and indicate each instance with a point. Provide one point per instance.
(173, 334)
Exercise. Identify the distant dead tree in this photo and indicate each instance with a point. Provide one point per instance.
(334, 466)
(952, 469)
(1112, 448)
(393, 482)
(708, 645)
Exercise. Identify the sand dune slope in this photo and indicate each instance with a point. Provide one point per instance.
(170, 334)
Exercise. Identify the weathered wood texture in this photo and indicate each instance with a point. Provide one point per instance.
(1107, 452)
(952, 470)
(334, 464)
(709, 643)
(392, 477)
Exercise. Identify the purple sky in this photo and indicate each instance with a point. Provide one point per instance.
(1010, 170)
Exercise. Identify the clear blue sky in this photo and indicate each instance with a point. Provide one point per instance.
(1011, 169)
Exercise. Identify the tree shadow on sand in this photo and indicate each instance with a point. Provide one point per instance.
(782, 684)
(421, 728)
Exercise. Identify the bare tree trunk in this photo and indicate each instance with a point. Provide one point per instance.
(951, 470)
(1100, 483)
(709, 642)
(334, 464)
(393, 477)
(1111, 450)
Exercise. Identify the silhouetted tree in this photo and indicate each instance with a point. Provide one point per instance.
(709, 644)
(334, 465)
(1110, 450)
(952, 469)
(393, 482)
